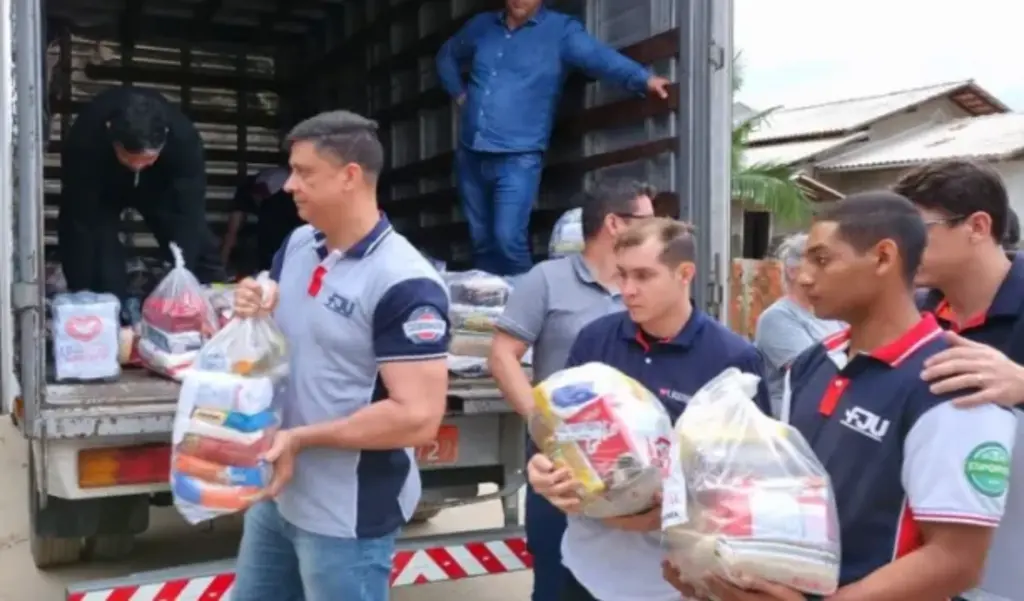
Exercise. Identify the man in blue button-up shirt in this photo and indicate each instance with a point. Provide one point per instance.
(519, 59)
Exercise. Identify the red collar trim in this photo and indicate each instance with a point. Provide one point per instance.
(894, 353)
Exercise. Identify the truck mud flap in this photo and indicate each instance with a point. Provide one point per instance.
(418, 560)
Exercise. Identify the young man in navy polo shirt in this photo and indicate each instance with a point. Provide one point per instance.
(920, 485)
(673, 349)
(975, 289)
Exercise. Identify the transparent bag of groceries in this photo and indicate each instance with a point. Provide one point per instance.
(746, 498)
(226, 420)
(610, 431)
(567, 234)
(177, 318)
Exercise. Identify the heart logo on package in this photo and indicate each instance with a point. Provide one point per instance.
(84, 328)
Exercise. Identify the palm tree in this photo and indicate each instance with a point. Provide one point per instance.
(763, 185)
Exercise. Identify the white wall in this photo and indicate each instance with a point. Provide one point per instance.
(850, 182)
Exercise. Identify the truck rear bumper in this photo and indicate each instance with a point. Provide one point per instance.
(418, 560)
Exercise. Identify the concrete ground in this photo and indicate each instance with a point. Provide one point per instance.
(170, 542)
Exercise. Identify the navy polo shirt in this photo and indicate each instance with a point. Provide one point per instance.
(1002, 327)
(897, 455)
(674, 370)
(998, 325)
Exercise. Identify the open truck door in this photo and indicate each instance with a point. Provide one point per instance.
(9, 389)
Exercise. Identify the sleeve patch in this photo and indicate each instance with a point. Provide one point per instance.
(424, 326)
(987, 469)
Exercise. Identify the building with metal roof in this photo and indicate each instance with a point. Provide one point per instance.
(851, 115)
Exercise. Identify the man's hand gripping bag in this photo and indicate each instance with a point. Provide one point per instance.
(746, 497)
(610, 431)
(226, 420)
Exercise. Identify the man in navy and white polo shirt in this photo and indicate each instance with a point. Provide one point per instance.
(365, 317)
(977, 291)
(673, 349)
(919, 484)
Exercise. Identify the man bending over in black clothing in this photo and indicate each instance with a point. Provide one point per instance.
(131, 148)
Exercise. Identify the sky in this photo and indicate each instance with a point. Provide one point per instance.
(798, 52)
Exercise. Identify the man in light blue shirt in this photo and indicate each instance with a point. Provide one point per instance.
(519, 59)
(788, 327)
(365, 317)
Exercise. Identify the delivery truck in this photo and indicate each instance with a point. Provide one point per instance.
(244, 72)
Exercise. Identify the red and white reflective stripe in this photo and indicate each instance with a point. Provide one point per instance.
(420, 566)
(207, 588)
(455, 562)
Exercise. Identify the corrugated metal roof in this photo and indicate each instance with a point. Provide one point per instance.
(795, 152)
(989, 137)
(845, 115)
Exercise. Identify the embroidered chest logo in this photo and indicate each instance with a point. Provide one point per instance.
(340, 305)
(424, 325)
(674, 395)
(864, 422)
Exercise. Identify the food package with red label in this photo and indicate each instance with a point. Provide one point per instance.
(746, 497)
(610, 431)
(86, 337)
(177, 319)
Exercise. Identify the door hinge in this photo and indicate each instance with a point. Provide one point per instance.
(24, 296)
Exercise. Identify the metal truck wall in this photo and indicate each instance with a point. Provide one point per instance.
(624, 136)
(229, 96)
(384, 68)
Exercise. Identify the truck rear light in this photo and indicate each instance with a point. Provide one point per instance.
(113, 466)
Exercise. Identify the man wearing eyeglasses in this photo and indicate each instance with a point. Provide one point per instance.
(131, 148)
(976, 291)
(547, 309)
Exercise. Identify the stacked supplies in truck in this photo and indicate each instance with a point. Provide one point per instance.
(225, 420)
(613, 434)
(477, 300)
(746, 497)
(177, 318)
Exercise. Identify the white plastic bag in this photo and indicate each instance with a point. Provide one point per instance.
(225, 420)
(177, 319)
(613, 434)
(567, 235)
(86, 328)
(746, 497)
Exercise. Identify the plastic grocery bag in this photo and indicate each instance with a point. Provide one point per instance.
(222, 299)
(567, 235)
(610, 431)
(176, 319)
(86, 330)
(746, 497)
(225, 420)
(246, 347)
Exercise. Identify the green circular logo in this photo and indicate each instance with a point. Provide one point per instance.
(987, 469)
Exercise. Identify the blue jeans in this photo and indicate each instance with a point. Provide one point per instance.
(278, 561)
(545, 525)
(497, 193)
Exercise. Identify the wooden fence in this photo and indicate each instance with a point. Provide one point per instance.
(754, 285)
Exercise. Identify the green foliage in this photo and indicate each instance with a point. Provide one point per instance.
(767, 186)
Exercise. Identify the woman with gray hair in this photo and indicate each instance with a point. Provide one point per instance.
(788, 327)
